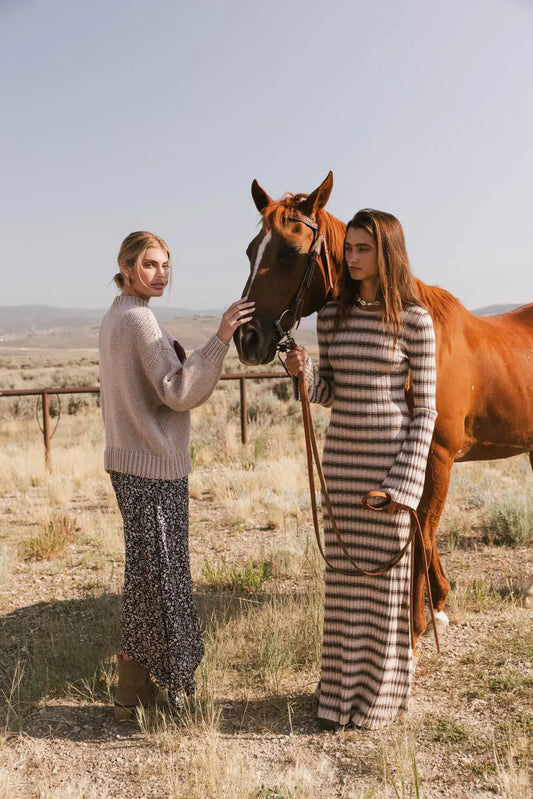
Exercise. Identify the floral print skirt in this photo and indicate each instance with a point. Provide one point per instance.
(159, 625)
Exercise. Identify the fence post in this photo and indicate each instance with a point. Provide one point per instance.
(46, 430)
(244, 411)
(44, 393)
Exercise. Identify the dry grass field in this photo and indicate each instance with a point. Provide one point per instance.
(251, 733)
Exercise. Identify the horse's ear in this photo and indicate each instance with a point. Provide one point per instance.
(318, 198)
(261, 198)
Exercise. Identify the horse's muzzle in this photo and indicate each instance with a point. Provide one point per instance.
(253, 346)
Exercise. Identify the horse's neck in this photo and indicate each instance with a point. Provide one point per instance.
(445, 309)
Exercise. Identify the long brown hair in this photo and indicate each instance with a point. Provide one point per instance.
(397, 283)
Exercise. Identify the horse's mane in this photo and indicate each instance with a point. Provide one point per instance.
(439, 302)
(276, 213)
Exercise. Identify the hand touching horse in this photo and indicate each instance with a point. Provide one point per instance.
(484, 364)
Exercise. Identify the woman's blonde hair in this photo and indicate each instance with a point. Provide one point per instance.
(133, 248)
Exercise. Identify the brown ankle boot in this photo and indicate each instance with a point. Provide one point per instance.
(135, 688)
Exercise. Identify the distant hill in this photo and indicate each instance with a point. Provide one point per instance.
(48, 327)
(26, 319)
(492, 310)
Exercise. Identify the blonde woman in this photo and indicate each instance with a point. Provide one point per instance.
(370, 339)
(148, 387)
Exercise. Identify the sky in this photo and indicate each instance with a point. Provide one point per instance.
(120, 115)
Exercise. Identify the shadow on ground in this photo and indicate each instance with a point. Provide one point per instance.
(58, 671)
(93, 723)
(53, 648)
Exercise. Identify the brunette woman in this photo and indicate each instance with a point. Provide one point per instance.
(148, 388)
(370, 339)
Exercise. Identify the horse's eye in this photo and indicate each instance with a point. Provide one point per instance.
(295, 250)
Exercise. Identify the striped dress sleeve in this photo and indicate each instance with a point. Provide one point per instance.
(405, 479)
(321, 382)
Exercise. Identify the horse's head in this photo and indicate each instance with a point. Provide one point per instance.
(279, 257)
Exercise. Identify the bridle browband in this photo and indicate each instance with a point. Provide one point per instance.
(318, 253)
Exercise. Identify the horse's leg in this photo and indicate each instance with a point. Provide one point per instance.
(531, 458)
(430, 509)
(439, 583)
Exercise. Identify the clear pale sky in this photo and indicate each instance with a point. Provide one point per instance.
(120, 115)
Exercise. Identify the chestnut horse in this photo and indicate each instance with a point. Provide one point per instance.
(484, 364)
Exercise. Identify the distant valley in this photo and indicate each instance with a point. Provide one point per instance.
(47, 327)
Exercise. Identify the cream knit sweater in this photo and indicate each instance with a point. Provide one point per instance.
(146, 393)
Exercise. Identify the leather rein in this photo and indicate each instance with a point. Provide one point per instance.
(318, 253)
(376, 501)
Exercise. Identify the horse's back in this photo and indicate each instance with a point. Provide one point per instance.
(484, 380)
(522, 316)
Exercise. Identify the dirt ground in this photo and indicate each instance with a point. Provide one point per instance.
(464, 703)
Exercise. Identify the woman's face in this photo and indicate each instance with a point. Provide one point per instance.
(361, 254)
(150, 278)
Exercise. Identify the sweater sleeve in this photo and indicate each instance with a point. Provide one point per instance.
(405, 479)
(181, 386)
(320, 382)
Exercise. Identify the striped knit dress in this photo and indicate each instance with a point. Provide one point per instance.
(372, 443)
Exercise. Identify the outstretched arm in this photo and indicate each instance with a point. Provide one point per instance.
(185, 385)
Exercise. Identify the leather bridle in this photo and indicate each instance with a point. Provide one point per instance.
(318, 255)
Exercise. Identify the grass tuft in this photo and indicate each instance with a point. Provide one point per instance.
(246, 578)
(282, 635)
(12, 702)
(400, 767)
(443, 729)
(509, 520)
(53, 539)
(512, 769)
(4, 564)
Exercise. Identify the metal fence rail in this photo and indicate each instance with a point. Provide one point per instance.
(45, 394)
